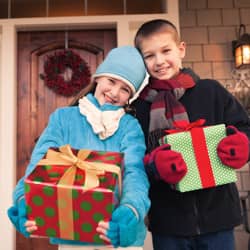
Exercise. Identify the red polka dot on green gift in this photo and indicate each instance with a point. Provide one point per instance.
(97, 217)
(98, 196)
(87, 227)
(37, 200)
(86, 206)
(48, 191)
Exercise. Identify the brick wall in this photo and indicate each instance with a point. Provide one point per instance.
(208, 27)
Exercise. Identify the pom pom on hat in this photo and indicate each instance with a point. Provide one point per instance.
(124, 63)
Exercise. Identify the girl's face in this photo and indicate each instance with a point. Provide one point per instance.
(162, 55)
(111, 90)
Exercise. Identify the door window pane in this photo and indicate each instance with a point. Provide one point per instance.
(66, 8)
(28, 8)
(4, 9)
(105, 7)
(145, 6)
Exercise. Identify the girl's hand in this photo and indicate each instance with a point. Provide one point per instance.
(30, 226)
(102, 230)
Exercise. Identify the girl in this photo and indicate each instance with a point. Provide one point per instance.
(100, 122)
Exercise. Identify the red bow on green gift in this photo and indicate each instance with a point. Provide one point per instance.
(182, 126)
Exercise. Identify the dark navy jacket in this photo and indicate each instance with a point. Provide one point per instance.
(201, 211)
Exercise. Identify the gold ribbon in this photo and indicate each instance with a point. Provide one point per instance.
(64, 157)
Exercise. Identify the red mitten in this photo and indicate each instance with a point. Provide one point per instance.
(233, 150)
(167, 164)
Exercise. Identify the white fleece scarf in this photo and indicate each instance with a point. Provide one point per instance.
(104, 123)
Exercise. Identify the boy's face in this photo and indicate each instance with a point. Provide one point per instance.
(162, 55)
(111, 90)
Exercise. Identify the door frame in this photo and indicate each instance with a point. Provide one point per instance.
(8, 83)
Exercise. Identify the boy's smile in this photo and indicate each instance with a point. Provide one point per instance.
(162, 55)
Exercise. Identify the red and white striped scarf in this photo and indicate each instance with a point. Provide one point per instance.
(166, 108)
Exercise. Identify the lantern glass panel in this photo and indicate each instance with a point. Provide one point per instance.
(246, 54)
(238, 57)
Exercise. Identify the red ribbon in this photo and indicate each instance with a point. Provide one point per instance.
(182, 126)
(199, 147)
(202, 158)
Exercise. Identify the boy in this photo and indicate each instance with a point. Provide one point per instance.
(202, 219)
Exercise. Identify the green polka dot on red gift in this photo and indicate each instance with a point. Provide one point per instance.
(101, 153)
(38, 179)
(111, 187)
(26, 187)
(54, 174)
(97, 217)
(50, 211)
(75, 215)
(48, 191)
(109, 208)
(61, 203)
(76, 236)
(46, 167)
(75, 194)
(103, 179)
(51, 232)
(97, 239)
(37, 200)
(28, 209)
(40, 221)
(87, 227)
(86, 206)
(78, 177)
(98, 196)
(110, 158)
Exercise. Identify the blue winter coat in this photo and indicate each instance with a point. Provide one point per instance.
(68, 126)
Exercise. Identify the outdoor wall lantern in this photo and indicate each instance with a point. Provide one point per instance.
(241, 48)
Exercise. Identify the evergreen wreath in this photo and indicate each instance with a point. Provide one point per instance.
(66, 73)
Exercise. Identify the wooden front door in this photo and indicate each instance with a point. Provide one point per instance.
(35, 101)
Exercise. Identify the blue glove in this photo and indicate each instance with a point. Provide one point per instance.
(18, 216)
(123, 227)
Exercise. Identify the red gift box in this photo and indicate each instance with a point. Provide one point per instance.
(70, 191)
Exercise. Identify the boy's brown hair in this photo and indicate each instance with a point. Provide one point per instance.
(154, 26)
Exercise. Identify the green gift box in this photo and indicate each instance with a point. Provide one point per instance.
(198, 146)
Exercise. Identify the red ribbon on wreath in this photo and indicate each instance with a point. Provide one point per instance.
(66, 73)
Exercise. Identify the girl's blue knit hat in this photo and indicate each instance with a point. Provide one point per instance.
(124, 63)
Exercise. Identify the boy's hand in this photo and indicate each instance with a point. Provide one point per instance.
(165, 164)
(233, 150)
(122, 229)
(18, 217)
